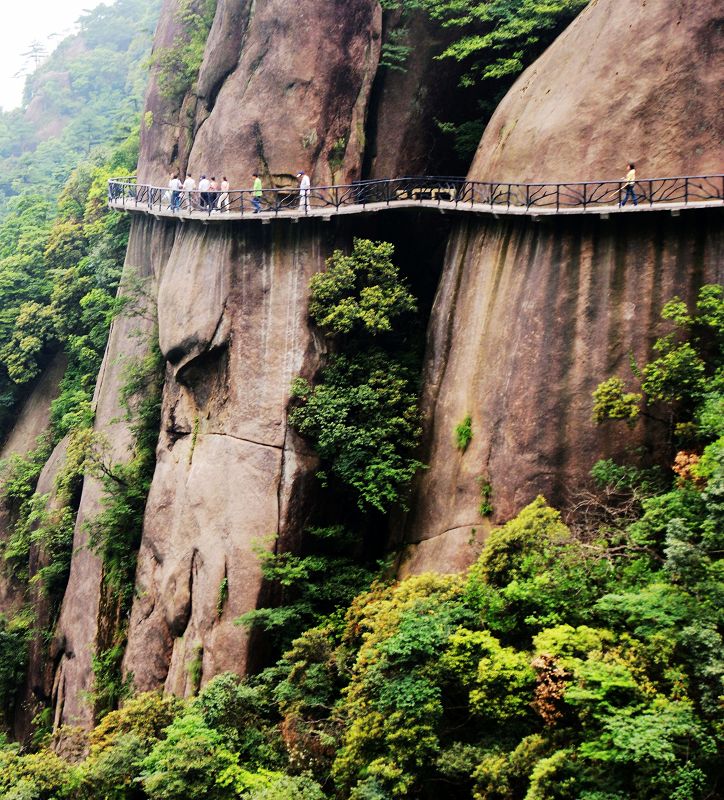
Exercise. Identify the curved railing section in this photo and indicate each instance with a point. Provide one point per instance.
(691, 191)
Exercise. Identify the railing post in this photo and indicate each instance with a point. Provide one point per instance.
(585, 188)
(686, 191)
(558, 197)
(651, 193)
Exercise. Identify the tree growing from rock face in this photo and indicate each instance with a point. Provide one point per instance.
(362, 415)
(493, 42)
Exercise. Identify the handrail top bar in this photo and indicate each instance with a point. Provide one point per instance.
(132, 181)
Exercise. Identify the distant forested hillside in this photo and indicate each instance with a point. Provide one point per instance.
(78, 124)
(87, 94)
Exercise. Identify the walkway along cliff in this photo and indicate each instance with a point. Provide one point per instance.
(529, 314)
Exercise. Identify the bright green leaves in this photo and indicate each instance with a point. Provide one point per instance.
(394, 703)
(531, 534)
(685, 377)
(612, 401)
(15, 634)
(500, 679)
(360, 292)
(362, 418)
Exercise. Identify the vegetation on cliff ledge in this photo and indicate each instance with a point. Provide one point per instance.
(577, 660)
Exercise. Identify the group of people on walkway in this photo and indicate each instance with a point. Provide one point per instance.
(209, 195)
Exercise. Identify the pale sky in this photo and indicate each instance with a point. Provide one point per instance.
(23, 22)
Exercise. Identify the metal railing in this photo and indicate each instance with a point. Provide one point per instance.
(459, 193)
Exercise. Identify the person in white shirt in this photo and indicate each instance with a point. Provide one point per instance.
(189, 187)
(304, 191)
(223, 204)
(175, 186)
(204, 185)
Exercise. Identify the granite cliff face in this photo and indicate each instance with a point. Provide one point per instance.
(84, 625)
(283, 87)
(230, 474)
(531, 315)
(625, 81)
(528, 317)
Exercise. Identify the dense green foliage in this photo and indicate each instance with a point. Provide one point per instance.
(578, 661)
(492, 41)
(178, 65)
(362, 415)
(500, 37)
(558, 669)
(86, 94)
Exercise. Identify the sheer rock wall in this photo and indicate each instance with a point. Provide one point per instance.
(83, 626)
(230, 474)
(531, 315)
(283, 87)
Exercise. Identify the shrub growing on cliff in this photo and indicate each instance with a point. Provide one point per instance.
(360, 293)
(362, 415)
(363, 420)
(683, 385)
(464, 433)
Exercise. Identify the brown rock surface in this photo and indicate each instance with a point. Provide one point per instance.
(403, 135)
(229, 471)
(530, 316)
(38, 687)
(284, 86)
(628, 79)
(33, 421)
(34, 417)
(528, 319)
(78, 630)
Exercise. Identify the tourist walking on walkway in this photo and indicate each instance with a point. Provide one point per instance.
(204, 185)
(257, 193)
(223, 204)
(213, 193)
(304, 191)
(630, 186)
(175, 186)
(189, 187)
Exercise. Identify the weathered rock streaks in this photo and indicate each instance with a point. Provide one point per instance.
(283, 87)
(528, 319)
(531, 316)
(528, 316)
(229, 471)
(627, 80)
(80, 628)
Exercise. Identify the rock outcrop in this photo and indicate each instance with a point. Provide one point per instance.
(627, 80)
(530, 315)
(283, 87)
(230, 473)
(32, 423)
(82, 627)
